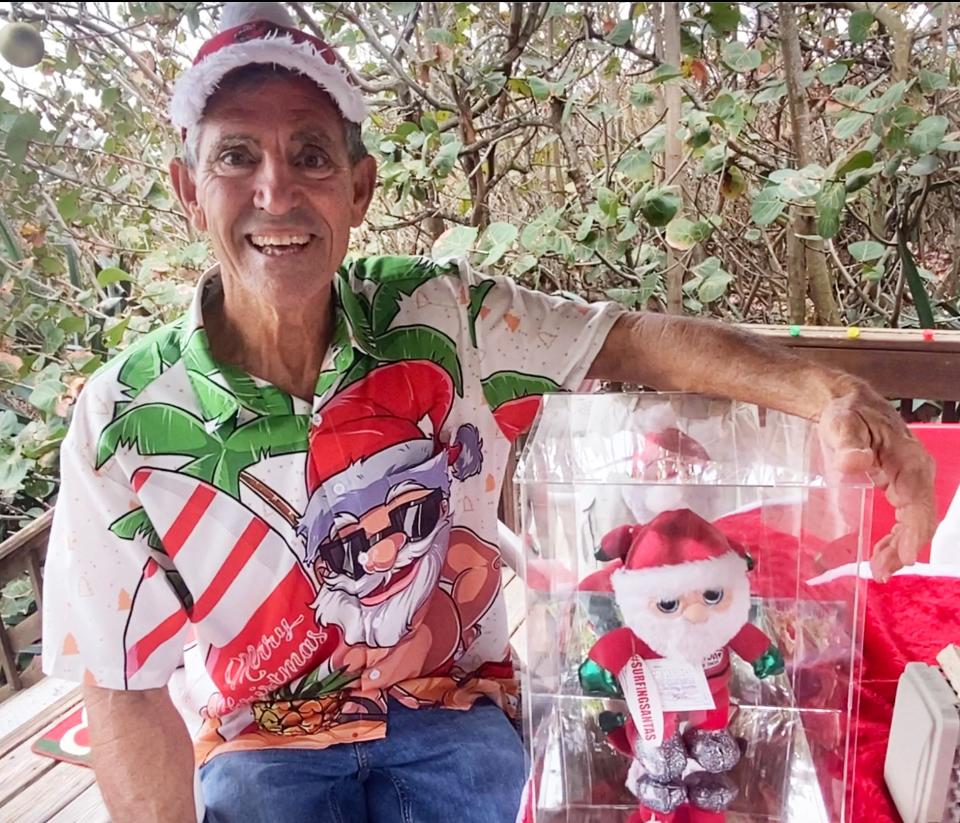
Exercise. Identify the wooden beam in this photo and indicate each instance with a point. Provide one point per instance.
(896, 362)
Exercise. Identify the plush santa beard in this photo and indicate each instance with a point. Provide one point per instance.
(383, 625)
(672, 635)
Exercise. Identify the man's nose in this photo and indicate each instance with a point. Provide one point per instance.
(696, 613)
(277, 189)
(382, 555)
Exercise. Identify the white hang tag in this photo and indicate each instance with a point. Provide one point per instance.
(643, 700)
(682, 686)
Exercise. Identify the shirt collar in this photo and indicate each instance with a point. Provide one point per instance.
(221, 390)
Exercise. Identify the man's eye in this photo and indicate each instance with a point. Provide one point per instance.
(314, 159)
(712, 596)
(668, 606)
(234, 157)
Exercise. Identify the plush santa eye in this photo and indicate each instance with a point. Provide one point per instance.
(668, 606)
(712, 596)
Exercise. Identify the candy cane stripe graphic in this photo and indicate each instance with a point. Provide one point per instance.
(251, 600)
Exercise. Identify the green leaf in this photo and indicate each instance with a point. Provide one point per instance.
(850, 124)
(856, 180)
(857, 160)
(113, 275)
(683, 234)
(24, 129)
(932, 81)
(496, 240)
(921, 300)
(660, 205)
(723, 17)
(771, 93)
(113, 335)
(636, 165)
(830, 203)
(421, 343)
(608, 202)
(539, 88)
(454, 242)
(892, 96)
(739, 58)
(621, 33)
(11, 244)
(642, 95)
(928, 134)
(833, 73)
(859, 26)
(502, 387)
(767, 206)
(68, 205)
(156, 428)
(135, 523)
(925, 166)
(714, 282)
(665, 72)
(256, 440)
(865, 250)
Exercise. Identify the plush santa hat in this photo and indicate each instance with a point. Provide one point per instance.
(261, 33)
(676, 552)
(396, 406)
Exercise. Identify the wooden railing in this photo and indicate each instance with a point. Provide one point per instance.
(901, 364)
(23, 554)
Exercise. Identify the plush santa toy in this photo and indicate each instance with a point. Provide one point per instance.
(684, 596)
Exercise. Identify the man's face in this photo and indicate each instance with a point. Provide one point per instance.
(274, 187)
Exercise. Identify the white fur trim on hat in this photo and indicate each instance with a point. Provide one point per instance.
(665, 582)
(236, 14)
(196, 84)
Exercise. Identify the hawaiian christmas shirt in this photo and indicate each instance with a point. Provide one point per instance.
(326, 556)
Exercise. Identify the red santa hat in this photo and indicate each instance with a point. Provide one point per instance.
(396, 404)
(676, 552)
(261, 33)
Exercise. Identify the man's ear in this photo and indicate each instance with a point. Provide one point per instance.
(186, 190)
(364, 184)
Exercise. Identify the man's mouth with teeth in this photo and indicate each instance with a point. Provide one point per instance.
(276, 245)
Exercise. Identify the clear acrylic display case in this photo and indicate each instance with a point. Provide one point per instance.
(594, 462)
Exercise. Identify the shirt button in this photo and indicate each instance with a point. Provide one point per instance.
(317, 419)
(339, 488)
(374, 674)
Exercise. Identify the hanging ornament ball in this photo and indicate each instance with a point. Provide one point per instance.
(21, 45)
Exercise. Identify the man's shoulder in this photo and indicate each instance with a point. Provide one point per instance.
(137, 367)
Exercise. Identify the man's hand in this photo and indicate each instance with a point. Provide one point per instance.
(686, 354)
(867, 435)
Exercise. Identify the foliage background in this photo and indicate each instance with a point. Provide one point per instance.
(757, 162)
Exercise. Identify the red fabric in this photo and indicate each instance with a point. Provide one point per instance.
(908, 619)
(672, 538)
(375, 413)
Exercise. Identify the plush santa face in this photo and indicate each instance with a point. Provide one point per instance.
(379, 542)
(687, 610)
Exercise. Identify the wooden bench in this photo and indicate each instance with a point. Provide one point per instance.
(900, 364)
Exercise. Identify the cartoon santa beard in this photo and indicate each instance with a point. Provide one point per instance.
(379, 543)
(378, 609)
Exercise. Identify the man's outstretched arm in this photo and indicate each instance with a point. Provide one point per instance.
(142, 755)
(686, 354)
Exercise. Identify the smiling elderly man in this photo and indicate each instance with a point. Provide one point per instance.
(305, 469)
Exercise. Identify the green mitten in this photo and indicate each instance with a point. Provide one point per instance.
(768, 663)
(597, 680)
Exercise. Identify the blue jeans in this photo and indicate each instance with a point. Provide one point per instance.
(434, 766)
